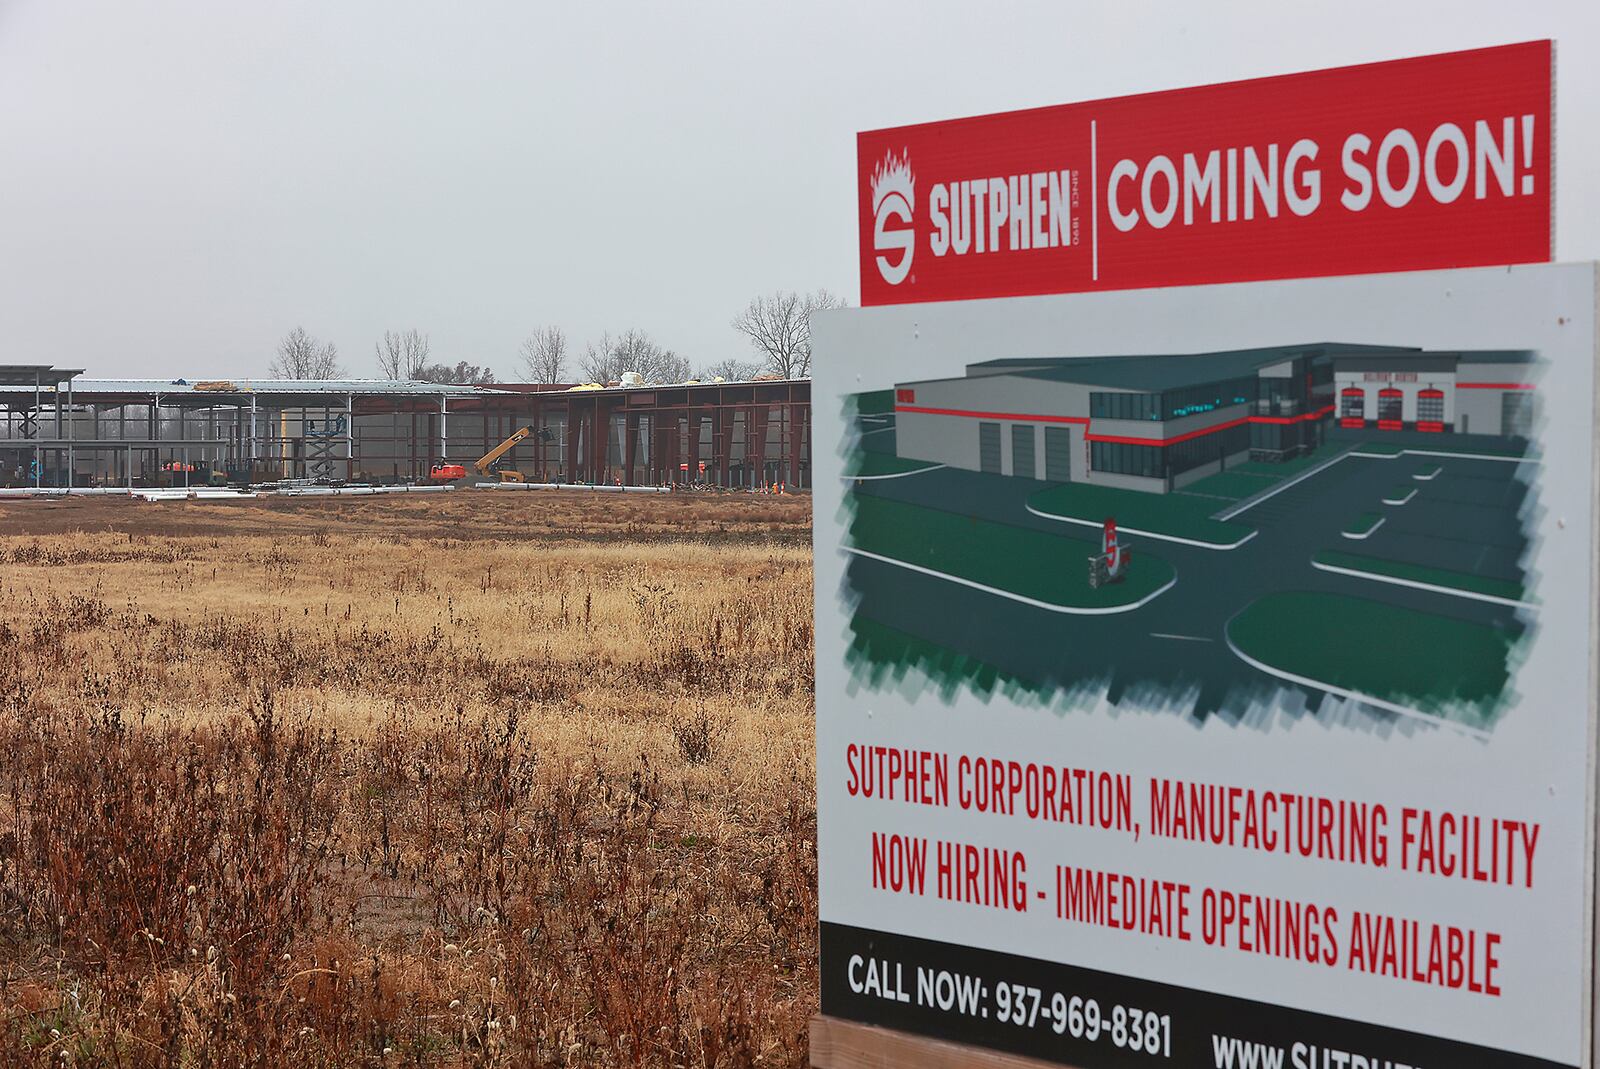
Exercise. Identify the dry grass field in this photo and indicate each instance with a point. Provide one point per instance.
(477, 779)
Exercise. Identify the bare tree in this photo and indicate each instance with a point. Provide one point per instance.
(401, 353)
(779, 329)
(544, 355)
(599, 362)
(463, 374)
(633, 350)
(300, 356)
(731, 369)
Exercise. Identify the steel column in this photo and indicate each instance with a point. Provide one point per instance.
(570, 459)
(599, 440)
(693, 443)
(722, 438)
(73, 430)
(38, 460)
(797, 429)
(755, 443)
(630, 446)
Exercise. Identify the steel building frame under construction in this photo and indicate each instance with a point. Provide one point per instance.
(61, 430)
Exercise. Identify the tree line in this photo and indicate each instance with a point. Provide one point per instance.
(776, 327)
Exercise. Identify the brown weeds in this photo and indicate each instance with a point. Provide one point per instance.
(378, 787)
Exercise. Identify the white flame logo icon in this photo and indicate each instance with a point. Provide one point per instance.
(894, 197)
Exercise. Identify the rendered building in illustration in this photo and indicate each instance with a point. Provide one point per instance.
(1158, 423)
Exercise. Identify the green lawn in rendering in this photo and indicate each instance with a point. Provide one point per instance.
(1417, 573)
(879, 464)
(1442, 446)
(877, 652)
(1178, 515)
(874, 403)
(1426, 662)
(1401, 494)
(1363, 524)
(1035, 564)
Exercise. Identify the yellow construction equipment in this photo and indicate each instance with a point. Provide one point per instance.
(486, 463)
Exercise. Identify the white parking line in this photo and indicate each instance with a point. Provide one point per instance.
(1364, 534)
(893, 474)
(1110, 610)
(1454, 592)
(1098, 524)
(1251, 502)
(1180, 638)
(1429, 477)
(1401, 501)
(1353, 695)
(1474, 456)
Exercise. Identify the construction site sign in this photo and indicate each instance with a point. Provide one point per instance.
(1203, 673)
(1433, 162)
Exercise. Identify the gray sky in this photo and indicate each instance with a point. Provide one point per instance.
(182, 182)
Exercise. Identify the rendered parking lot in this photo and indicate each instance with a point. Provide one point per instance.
(1389, 571)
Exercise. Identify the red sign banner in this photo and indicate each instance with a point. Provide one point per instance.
(1434, 162)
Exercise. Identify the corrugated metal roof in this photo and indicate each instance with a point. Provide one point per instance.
(28, 374)
(586, 387)
(1175, 371)
(216, 390)
(1153, 373)
(294, 387)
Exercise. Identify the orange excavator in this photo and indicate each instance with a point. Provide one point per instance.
(486, 465)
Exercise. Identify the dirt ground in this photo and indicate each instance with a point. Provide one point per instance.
(464, 515)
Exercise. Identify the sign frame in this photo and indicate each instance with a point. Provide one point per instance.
(917, 333)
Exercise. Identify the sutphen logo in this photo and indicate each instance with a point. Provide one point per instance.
(894, 199)
(1004, 213)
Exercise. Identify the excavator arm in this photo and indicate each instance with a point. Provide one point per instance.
(485, 464)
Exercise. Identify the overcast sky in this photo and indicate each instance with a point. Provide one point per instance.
(181, 183)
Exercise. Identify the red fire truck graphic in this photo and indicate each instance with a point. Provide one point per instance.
(1110, 565)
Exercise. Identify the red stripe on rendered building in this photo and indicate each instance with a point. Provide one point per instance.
(1118, 439)
(1164, 442)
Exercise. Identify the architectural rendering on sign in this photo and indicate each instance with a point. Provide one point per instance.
(1234, 499)
(1160, 423)
(1325, 543)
